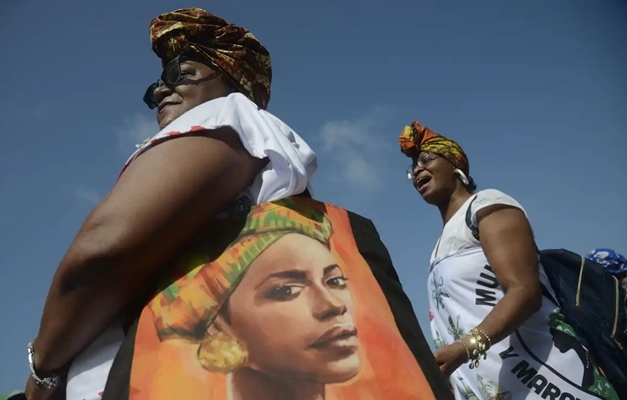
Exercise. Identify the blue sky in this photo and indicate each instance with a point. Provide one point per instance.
(532, 90)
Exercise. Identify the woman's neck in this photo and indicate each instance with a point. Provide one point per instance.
(450, 207)
(247, 384)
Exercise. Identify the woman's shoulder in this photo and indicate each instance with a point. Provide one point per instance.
(262, 134)
(489, 197)
(494, 196)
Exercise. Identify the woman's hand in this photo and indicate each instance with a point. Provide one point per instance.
(450, 357)
(34, 392)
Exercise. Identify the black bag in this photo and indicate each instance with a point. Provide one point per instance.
(595, 305)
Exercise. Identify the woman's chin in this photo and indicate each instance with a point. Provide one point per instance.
(342, 370)
(164, 121)
(426, 194)
(167, 115)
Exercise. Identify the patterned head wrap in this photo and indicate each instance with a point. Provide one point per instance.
(614, 262)
(416, 138)
(232, 49)
(611, 260)
(189, 306)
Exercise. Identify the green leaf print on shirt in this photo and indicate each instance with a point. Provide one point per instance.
(438, 342)
(466, 391)
(438, 294)
(490, 390)
(454, 328)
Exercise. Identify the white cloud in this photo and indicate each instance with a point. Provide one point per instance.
(86, 196)
(357, 151)
(135, 130)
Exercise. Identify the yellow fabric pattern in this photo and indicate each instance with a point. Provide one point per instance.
(415, 139)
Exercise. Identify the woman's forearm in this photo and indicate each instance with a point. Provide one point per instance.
(77, 310)
(510, 312)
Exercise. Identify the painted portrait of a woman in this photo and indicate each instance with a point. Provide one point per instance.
(282, 309)
(281, 320)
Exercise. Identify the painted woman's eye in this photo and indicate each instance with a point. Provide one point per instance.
(338, 281)
(284, 292)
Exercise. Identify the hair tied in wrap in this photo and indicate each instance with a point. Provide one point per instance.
(230, 48)
(189, 305)
(415, 139)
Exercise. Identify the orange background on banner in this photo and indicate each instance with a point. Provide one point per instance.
(163, 371)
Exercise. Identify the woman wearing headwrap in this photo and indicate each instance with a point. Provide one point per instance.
(492, 326)
(274, 313)
(218, 149)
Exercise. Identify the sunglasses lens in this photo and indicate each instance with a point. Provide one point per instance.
(149, 96)
(172, 72)
(410, 172)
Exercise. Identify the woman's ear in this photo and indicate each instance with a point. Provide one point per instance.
(220, 350)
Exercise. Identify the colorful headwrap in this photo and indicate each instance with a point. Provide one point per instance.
(416, 138)
(232, 49)
(188, 306)
(611, 260)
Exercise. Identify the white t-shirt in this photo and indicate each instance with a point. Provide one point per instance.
(456, 236)
(289, 172)
(540, 360)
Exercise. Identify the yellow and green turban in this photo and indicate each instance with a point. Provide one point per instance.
(416, 139)
(187, 307)
(230, 48)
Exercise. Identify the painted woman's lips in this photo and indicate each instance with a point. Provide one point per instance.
(340, 337)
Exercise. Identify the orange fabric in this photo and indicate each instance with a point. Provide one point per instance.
(415, 139)
(167, 368)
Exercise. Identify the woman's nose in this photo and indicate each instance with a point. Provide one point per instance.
(417, 169)
(327, 305)
(161, 92)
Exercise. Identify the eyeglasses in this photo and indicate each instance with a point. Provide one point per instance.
(422, 161)
(171, 77)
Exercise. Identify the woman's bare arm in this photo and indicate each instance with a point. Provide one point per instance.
(507, 241)
(163, 198)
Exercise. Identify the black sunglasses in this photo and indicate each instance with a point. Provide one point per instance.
(171, 77)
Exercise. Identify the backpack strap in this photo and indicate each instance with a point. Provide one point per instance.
(473, 229)
(548, 295)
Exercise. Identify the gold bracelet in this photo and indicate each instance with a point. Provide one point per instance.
(466, 348)
(480, 343)
(486, 337)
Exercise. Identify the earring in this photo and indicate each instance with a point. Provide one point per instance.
(462, 176)
(222, 353)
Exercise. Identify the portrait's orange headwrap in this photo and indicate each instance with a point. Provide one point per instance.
(188, 306)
